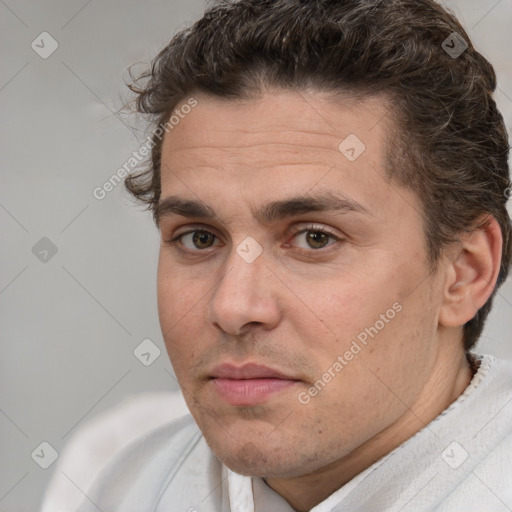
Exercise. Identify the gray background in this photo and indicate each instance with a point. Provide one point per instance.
(69, 325)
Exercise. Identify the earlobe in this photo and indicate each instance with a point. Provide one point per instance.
(472, 273)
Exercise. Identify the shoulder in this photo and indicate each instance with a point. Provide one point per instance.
(487, 445)
(138, 475)
(96, 442)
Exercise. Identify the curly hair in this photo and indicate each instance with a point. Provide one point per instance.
(451, 145)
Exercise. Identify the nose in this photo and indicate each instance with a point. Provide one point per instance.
(245, 295)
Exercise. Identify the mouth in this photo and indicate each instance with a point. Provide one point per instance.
(250, 384)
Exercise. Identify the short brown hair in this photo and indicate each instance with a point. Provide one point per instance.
(453, 146)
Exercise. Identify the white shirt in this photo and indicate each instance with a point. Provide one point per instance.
(460, 462)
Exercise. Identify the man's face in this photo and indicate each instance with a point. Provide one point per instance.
(297, 331)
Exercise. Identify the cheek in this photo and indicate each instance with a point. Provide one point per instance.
(176, 291)
(345, 307)
(366, 321)
(181, 306)
(387, 352)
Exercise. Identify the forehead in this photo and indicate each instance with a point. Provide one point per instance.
(283, 144)
(316, 121)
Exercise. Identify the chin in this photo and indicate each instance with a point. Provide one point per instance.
(250, 460)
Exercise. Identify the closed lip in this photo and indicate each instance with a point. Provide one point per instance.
(248, 371)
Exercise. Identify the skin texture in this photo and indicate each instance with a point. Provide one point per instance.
(299, 305)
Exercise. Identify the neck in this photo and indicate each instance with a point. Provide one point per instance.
(447, 382)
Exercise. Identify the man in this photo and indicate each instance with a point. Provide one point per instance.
(330, 181)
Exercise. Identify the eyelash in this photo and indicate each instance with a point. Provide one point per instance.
(175, 241)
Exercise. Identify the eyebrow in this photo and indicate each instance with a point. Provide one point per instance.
(276, 210)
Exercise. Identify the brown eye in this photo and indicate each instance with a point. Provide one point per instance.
(203, 239)
(195, 241)
(314, 239)
(317, 239)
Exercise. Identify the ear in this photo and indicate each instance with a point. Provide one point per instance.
(472, 273)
